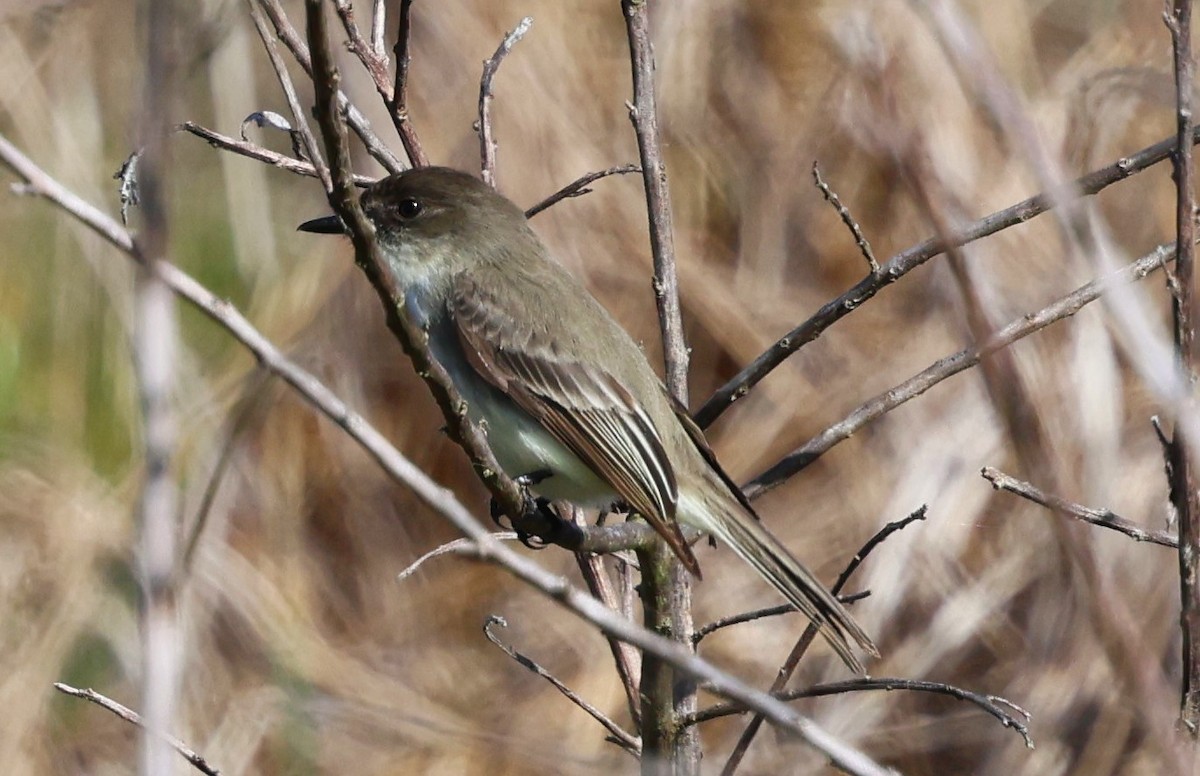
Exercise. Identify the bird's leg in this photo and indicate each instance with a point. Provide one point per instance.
(538, 524)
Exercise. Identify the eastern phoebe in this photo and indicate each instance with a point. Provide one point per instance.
(560, 387)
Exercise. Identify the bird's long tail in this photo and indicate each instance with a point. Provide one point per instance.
(736, 526)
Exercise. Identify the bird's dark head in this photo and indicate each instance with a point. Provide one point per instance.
(426, 202)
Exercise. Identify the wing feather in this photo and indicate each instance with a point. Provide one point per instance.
(585, 408)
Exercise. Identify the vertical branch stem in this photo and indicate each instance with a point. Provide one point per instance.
(644, 115)
(668, 747)
(154, 344)
(399, 104)
(1183, 484)
(487, 142)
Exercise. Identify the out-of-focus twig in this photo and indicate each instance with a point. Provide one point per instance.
(951, 365)
(487, 141)
(909, 259)
(155, 360)
(1104, 518)
(618, 735)
(579, 187)
(133, 718)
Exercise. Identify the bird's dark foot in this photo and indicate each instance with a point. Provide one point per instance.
(539, 524)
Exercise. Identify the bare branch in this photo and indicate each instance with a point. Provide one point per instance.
(993, 704)
(1104, 518)
(378, 24)
(904, 262)
(464, 547)
(759, 614)
(1184, 495)
(487, 143)
(253, 151)
(844, 213)
(133, 718)
(617, 734)
(951, 365)
(399, 104)
(579, 187)
(643, 112)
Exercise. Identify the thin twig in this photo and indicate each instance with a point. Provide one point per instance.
(844, 213)
(665, 587)
(487, 142)
(617, 734)
(1104, 518)
(133, 718)
(375, 65)
(947, 367)
(1183, 493)
(579, 187)
(399, 105)
(599, 582)
(909, 259)
(249, 403)
(464, 547)
(254, 151)
(992, 704)
(643, 112)
(784, 675)
(759, 614)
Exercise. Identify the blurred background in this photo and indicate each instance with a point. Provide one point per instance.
(304, 653)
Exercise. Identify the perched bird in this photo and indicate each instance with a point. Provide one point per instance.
(567, 397)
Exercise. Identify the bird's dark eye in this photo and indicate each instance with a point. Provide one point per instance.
(409, 208)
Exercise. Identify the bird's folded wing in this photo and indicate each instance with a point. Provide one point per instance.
(583, 407)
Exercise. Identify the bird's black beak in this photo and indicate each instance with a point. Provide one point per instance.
(326, 225)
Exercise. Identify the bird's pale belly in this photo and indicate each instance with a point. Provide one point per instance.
(523, 447)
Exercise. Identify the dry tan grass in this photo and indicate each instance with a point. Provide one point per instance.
(304, 653)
